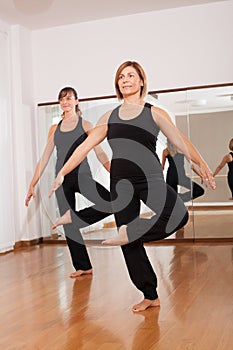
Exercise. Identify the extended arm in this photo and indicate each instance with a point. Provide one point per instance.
(102, 157)
(100, 154)
(164, 156)
(197, 171)
(224, 161)
(182, 143)
(41, 165)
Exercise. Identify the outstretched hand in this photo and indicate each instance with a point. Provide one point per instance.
(30, 194)
(207, 176)
(57, 183)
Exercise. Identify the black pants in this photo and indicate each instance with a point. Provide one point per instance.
(94, 192)
(170, 215)
(195, 190)
(230, 182)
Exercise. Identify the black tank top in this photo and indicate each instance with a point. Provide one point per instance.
(176, 162)
(66, 142)
(230, 164)
(133, 143)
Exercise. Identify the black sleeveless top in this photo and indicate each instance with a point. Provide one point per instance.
(176, 162)
(133, 143)
(230, 164)
(66, 142)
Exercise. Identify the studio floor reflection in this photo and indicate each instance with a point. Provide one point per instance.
(42, 308)
(202, 225)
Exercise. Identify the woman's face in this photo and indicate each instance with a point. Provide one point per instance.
(68, 102)
(129, 82)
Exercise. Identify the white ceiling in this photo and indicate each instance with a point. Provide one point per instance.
(38, 14)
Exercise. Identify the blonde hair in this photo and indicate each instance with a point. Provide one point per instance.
(231, 144)
(140, 72)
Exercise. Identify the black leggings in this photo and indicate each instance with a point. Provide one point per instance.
(94, 192)
(174, 180)
(170, 215)
(230, 182)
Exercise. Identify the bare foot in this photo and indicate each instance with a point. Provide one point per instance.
(121, 239)
(79, 273)
(63, 220)
(145, 304)
(231, 198)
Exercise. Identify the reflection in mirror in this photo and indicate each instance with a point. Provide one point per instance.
(205, 116)
(183, 176)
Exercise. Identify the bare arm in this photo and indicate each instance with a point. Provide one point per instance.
(164, 156)
(100, 154)
(102, 157)
(96, 136)
(196, 171)
(224, 161)
(41, 165)
(182, 143)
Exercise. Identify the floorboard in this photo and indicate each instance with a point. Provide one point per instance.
(42, 308)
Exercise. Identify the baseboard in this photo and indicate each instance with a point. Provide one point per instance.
(28, 243)
(209, 207)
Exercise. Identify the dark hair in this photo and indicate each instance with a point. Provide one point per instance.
(231, 144)
(140, 72)
(67, 90)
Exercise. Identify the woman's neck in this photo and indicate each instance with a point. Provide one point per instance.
(133, 99)
(70, 116)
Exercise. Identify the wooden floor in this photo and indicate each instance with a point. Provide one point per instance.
(42, 308)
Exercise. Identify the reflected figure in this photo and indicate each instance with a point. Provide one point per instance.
(148, 333)
(227, 159)
(87, 332)
(176, 174)
(65, 136)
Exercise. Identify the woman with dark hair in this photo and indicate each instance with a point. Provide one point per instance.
(136, 175)
(227, 159)
(71, 131)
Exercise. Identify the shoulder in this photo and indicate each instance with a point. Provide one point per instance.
(104, 118)
(158, 111)
(229, 157)
(87, 126)
(52, 129)
(159, 115)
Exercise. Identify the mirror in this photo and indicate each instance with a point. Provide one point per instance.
(205, 116)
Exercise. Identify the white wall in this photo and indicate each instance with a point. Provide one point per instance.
(27, 222)
(7, 236)
(18, 143)
(179, 47)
